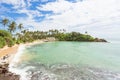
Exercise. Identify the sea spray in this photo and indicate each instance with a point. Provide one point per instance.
(15, 61)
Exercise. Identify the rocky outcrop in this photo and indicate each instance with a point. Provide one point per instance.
(99, 40)
(6, 75)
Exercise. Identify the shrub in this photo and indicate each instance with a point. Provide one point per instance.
(6, 38)
(18, 41)
(2, 42)
(4, 33)
(10, 42)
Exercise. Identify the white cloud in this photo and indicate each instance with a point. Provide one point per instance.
(98, 17)
(30, 13)
(15, 3)
(21, 7)
(95, 16)
(57, 7)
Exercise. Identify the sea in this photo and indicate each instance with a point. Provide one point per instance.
(63, 60)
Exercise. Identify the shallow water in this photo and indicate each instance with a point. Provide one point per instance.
(70, 61)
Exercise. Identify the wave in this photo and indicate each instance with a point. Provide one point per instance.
(36, 70)
(15, 61)
(69, 72)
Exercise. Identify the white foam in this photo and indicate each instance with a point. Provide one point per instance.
(15, 60)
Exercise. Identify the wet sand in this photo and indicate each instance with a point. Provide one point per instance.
(8, 50)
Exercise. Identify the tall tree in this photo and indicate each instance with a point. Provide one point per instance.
(12, 27)
(5, 22)
(20, 26)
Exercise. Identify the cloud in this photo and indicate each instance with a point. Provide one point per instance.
(30, 13)
(98, 17)
(95, 16)
(15, 3)
(57, 7)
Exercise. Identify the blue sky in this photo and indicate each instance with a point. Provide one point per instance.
(101, 18)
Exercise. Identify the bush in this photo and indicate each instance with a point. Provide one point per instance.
(2, 42)
(6, 39)
(4, 33)
(10, 42)
(18, 41)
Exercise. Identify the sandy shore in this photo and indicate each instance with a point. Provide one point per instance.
(6, 56)
(8, 52)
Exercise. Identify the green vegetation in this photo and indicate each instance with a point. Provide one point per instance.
(61, 35)
(2, 42)
(74, 36)
(6, 39)
(7, 33)
(14, 33)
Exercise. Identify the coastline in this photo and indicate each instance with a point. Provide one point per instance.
(8, 51)
(7, 55)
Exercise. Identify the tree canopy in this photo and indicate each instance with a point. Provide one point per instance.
(21, 35)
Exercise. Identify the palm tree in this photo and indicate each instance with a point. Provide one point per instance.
(24, 31)
(5, 22)
(86, 32)
(12, 26)
(20, 26)
(18, 35)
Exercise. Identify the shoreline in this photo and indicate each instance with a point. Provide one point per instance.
(7, 54)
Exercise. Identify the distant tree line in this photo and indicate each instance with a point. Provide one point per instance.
(13, 33)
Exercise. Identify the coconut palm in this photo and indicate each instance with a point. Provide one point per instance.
(20, 26)
(5, 22)
(12, 27)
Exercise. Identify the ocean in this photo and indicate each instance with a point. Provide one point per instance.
(68, 61)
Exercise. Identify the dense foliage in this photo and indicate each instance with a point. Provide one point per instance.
(13, 33)
(6, 38)
(61, 35)
(2, 42)
(4, 33)
(7, 32)
(74, 36)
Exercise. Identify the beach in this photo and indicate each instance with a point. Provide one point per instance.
(11, 51)
(7, 54)
(8, 51)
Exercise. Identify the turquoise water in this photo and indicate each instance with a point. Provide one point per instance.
(72, 61)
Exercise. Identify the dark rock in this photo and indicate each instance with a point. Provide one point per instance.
(99, 40)
(6, 75)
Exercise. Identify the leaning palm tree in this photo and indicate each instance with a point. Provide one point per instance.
(12, 27)
(5, 22)
(20, 26)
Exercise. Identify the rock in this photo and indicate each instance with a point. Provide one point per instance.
(6, 75)
(99, 40)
